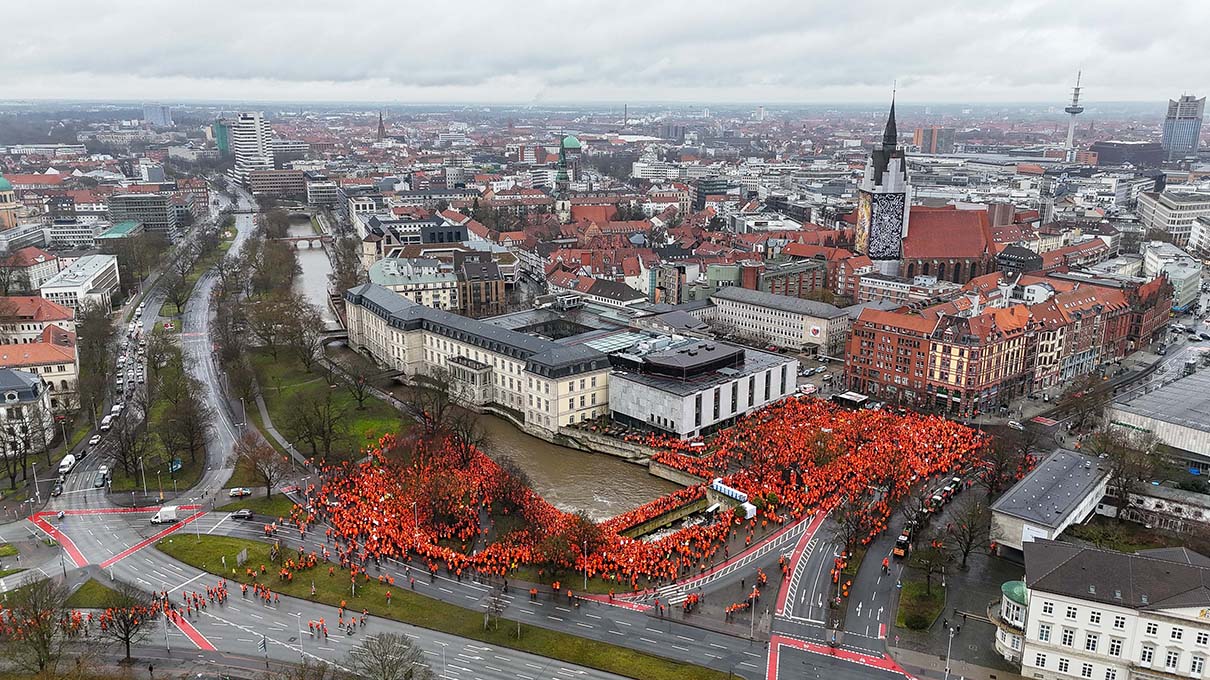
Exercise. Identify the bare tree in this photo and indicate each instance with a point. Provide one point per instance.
(254, 455)
(1132, 459)
(13, 277)
(303, 330)
(318, 420)
(130, 437)
(854, 521)
(308, 670)
(467, 434)
(184, 427)
(970, 527)
(388, 656)
(267, 319)
(176, 289)
(128, 617)
(358, 374)
(932, 555)
(347, 271)
(432, 399)
(35, 610)
(494, 607)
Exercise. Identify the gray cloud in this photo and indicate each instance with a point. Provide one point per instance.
(650, 50)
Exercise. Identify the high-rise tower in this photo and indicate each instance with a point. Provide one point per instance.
(1183, 126)
(1073, 110)
(250, 135)
(883, 202)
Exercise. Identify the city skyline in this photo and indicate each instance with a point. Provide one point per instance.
(542, 54)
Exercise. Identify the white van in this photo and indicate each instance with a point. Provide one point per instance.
(69, 462)
(106, 422)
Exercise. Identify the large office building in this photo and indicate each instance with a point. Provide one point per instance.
(277, 183)
(1177, 414)
(686, 387)
(1140, 154)
(250, 137)
(789, 322)
(92, 279)
(156, 212)
(1172, 212)
(1183, 126)
(1085, 612)
(157, 115)
(934, 140)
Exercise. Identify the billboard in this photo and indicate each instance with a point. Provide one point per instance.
(862, 232)
(885, 230)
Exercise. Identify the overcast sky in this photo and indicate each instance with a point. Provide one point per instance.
(520, 51)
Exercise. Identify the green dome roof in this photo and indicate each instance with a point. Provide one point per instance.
(1015, 591)
(5, 185)
(570, 142)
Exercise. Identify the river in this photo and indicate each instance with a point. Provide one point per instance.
(312, 282)
(599, 484)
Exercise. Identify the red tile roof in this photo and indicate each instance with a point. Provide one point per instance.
(946, 233)
(35, 308)
(910, 322)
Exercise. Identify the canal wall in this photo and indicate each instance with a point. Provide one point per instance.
(674, 475)
(591, 441)
(665, 519)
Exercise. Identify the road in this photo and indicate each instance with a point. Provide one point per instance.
(114, 543)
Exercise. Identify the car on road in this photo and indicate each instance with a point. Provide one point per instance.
(57, 490)
(242, 514)
(1016, 425)
(240, 492)
(94, 440)
(98, 482)
(1194, 338)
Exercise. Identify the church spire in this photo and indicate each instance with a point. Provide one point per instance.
(382, 128)
(890, 136)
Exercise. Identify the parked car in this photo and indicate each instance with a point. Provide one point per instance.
(1016, 425)
(240, 492)
(94, 440)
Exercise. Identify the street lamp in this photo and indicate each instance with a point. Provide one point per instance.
(144, 471)
(37, 491)
(298, 615)
(443, 646)
(584, 556)
(948, 645)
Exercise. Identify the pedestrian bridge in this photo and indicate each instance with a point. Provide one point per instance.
(316, 241)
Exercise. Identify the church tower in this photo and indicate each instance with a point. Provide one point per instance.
(382, 128)
(883, 202)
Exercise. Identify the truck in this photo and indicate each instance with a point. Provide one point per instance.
(66, 465)
(166, 515)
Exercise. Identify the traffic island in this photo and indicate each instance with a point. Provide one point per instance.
(208, 552)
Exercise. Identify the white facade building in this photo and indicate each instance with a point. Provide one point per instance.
(539, 383)
(782, 320)
(250, 144)
(1083, 612)
(92, 279)
(1173, 212)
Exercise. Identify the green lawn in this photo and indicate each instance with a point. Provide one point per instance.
(8, 550)
(418, 610)
(283, 382)
(10, 572)
(92, 595)
(917, 608)
(277, 506)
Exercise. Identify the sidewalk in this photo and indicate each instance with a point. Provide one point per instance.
(929, 666)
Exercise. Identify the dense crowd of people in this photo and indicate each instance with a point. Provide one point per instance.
(428, 500)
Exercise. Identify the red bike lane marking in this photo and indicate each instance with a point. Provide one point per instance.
(688, 583)
(152, 539)
(194, 636)
(884, 663)
(784, 590)
(72, 551)
(604, 599)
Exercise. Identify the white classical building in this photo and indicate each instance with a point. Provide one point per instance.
(540, 383)
(1084, 612)
(1173, 212)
